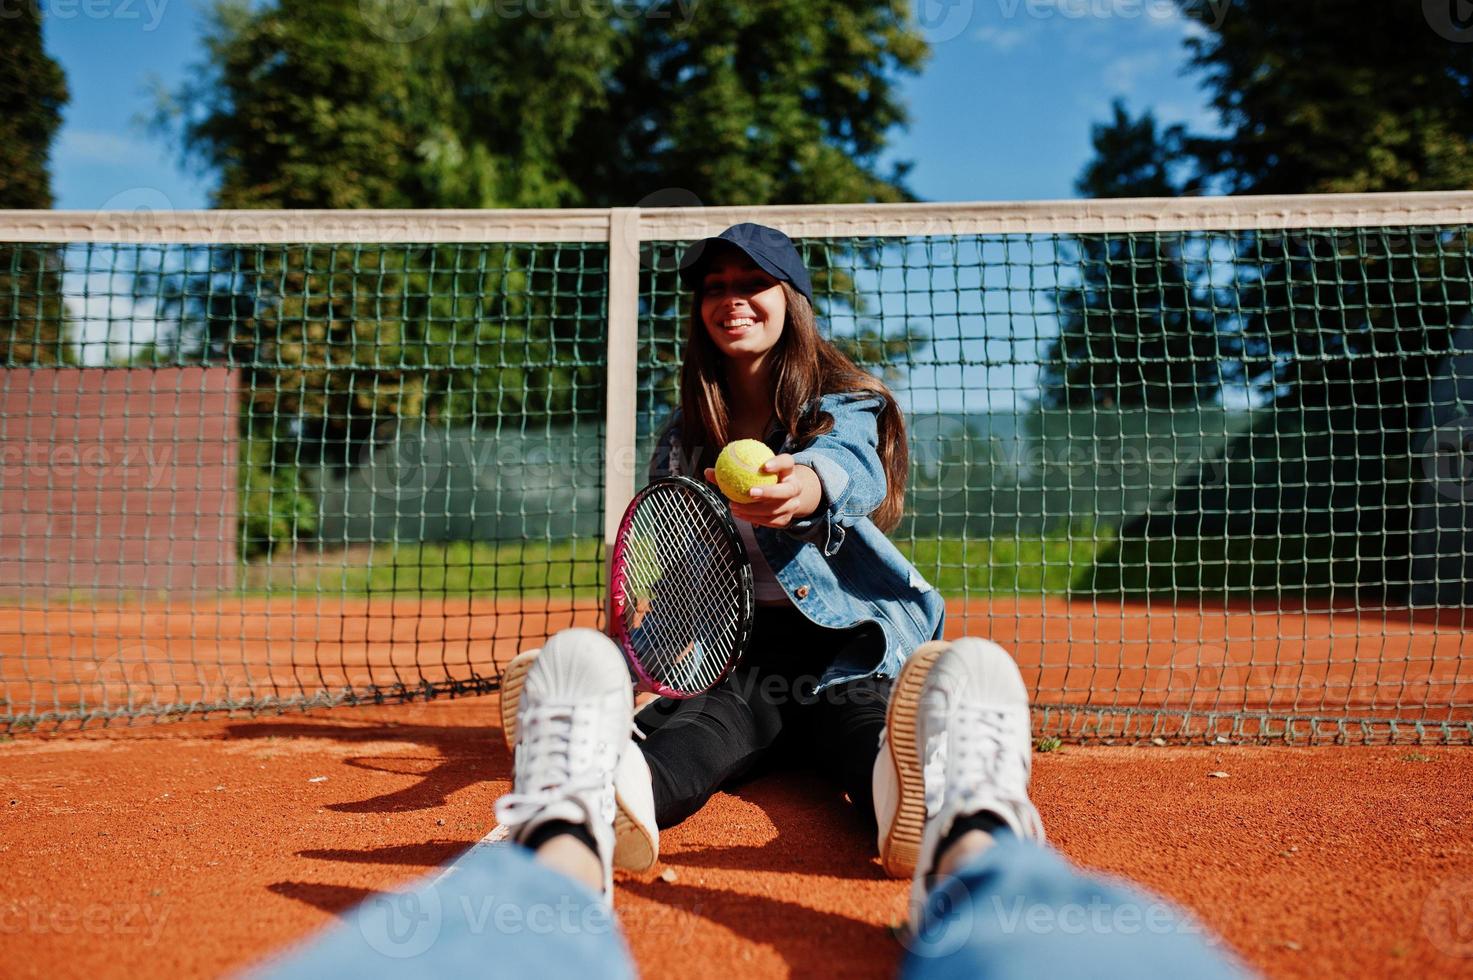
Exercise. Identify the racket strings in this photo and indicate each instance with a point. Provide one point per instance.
(680, 570)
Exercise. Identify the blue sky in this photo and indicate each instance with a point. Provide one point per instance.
(1002, 111)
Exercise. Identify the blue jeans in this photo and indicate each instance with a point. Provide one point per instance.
(1019, 910)
(494, 913)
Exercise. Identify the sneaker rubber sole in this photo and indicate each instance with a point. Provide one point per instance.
(633, 849)
(512, 681)
(901, 847)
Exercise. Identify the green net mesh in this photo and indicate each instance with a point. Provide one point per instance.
(1202, 484)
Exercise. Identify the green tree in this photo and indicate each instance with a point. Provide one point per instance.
(1325, 96)
(763, 102)
(1316, 97)
(33, 328)
(774, 101)
(1341, 331)
(299, 105)
(314, 104)
(1135, 330)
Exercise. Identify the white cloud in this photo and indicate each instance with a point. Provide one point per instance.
(109, 324)
(1121, 75)
(1001, 39)
(1199, 118)
(1170, 18)
(98, 146)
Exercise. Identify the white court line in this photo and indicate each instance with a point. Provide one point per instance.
(499, 836)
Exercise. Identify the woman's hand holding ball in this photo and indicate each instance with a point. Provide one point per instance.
(795, 495)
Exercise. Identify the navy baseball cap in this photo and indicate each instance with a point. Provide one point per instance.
(771, 250)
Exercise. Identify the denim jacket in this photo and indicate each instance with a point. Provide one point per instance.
(836, 566)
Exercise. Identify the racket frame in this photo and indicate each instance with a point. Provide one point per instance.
(746, 598)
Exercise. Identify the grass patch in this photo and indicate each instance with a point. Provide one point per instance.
(1050, 563)
(568, 569)
(1246, 564)
(1055, 562)
(1048, 743)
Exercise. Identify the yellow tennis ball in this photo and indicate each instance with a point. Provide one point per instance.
(739, 469)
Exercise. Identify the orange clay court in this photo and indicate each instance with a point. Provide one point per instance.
(200, 847)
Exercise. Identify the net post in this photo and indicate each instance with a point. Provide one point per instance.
(623, 379)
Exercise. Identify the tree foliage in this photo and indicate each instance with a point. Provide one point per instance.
(764, 102)
(305, 103)
(1313, 97)
(1134, 331)
(1321, 97)
(1324, 96)
(1342, 331)
(315, 104)
(33, 327)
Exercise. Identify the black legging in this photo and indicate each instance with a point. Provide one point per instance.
(697, 746)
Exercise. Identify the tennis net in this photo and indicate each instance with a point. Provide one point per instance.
(1200, 464)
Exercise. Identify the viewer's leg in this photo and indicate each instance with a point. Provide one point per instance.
(495, 911)
(498, 908)
(1003, 906)
(986, 895)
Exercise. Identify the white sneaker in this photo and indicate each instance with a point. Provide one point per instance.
(968, 719)
(899, 782)
(636, 836)
(574, 712)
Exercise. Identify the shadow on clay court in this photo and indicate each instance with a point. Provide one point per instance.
(430, 854)
(452, 758)
(802, 936)
(818, 832)
(466, 756)
(336, 899)
(814, 831)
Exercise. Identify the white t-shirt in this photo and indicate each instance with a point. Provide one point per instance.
(765, 585)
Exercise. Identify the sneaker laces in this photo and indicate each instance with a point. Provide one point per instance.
(983, 762)
(556, 761)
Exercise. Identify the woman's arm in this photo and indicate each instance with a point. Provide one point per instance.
(797, 493)
(835, 481)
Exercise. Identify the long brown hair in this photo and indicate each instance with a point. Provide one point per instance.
(806, 366)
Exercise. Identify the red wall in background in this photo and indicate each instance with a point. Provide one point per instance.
(118, 479)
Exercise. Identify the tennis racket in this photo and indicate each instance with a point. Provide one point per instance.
(681, 584)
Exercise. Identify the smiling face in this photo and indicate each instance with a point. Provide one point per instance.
(744, 309)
